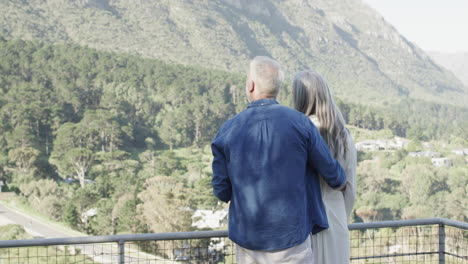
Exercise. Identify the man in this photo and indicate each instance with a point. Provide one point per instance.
(266, 161)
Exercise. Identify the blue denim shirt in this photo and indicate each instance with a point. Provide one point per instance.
(266, 161)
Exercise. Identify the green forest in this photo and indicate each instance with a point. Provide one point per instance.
(83, 129)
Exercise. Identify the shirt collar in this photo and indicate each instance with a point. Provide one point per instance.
(263, 102)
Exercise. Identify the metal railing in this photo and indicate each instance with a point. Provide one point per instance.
(407, 241)
(434, 240)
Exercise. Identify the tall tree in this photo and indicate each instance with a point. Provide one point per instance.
(80, 160)
(165, 206)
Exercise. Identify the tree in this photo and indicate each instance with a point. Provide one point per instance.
(149, 162)
(165, 207)
(414, 146)
(46, 196)
(21, 136)
(24, 158)
(168, 163)
(102, 129)
(76, 161)
(24, 171)
(102, 224)
(202, 195)
(457, 200)
(173, 128)
(417, 182)
(116, 174)
(124, 213)
(70, 214)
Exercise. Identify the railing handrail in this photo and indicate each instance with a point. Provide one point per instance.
(112, 238)
(207, 234)
(411, 222)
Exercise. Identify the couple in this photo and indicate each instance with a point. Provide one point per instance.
(291, 186)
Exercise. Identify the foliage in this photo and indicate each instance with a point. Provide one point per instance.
(12, 232)
(165, 205)
(364, 58)
(135, 133)
(70, 214)
(46, 197)
(396, 186)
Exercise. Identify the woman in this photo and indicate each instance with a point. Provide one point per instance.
(313, 97)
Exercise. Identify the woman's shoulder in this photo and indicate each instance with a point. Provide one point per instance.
(314, 120)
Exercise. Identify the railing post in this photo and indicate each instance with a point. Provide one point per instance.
(441, 244)
(121, 252)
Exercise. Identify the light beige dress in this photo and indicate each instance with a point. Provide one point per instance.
(300, 254)
(332, 246)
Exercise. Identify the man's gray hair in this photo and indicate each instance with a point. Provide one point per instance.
(266, 74)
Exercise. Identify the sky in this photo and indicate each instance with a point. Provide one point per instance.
(433, 25)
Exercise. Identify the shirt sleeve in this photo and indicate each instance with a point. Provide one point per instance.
(321, 160)
(221, 183)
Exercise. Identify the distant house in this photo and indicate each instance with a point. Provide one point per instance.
(425, 154)
(209, 218)
(386, 144)
(461, 152)
(441, 162)
(401, 143)
(427, 145)
(396, 143)
(88, 214)
(368, 145)
(382, 144)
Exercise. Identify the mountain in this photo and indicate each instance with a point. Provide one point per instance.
(364, 58)
(456, 62)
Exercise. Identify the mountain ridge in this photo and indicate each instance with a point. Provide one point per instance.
(364, 58)
(456, 62)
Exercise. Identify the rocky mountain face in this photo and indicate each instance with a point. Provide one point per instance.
(364, 58)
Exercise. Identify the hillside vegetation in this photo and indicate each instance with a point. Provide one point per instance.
(365, 59)
(134, 134)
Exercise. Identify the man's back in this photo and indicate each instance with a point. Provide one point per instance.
(264, 164)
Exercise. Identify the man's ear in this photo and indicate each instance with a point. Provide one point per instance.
(251, 86)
